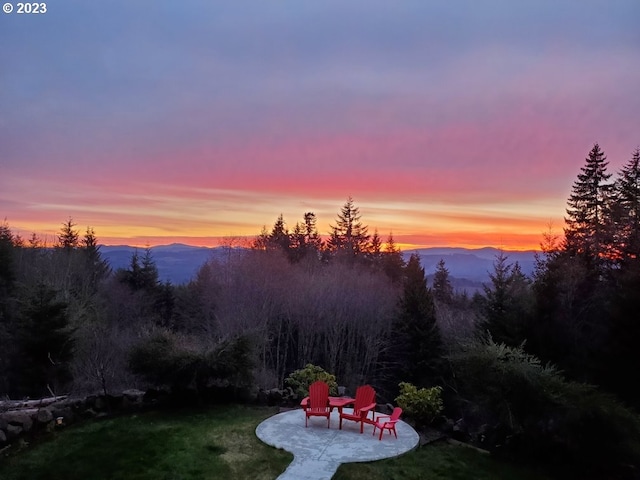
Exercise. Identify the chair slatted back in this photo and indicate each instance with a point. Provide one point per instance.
(365, 396)
(395, 415)
(318, 396)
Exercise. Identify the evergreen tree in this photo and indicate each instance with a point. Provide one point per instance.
(141, 274)
(7, 283)
(7, 267)
(96, 268)
(392, 261)
(149, 271)
(442, 289)
(417, 345)
(374, 250)
(68, 238)
(627, 189)
(304, 240)
(312, 238)
(279, 237)
(587, 231)
(44, 342)
(506, 307)
(349, 237)
(261, 242)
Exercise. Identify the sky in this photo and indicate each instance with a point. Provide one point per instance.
(450, 123)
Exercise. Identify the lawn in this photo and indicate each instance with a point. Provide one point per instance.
(217, 443)
(437, 461)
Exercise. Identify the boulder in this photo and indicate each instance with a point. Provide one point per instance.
(66, 413)
(89, 413)
(100, 403)
(274, 397)
(133, 396)
(44, 415)
(19, 418)
(13, 431)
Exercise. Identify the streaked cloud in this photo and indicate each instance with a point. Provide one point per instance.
(448, 124)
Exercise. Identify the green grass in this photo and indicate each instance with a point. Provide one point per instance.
(437, 461)
(218, 443)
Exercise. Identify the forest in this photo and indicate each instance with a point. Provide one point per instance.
(540, 367)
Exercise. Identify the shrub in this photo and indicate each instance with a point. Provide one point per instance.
(300, 380)
(546, 416)
(423, 405)
(166, 359)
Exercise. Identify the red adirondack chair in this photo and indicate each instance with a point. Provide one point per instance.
(389, 423)
(365, 402)
(318, 403)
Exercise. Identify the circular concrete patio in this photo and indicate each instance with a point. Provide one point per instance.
(318, 451)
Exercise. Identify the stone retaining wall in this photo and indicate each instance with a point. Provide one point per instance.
(20, 420)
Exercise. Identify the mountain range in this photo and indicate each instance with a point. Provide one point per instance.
(468, 268)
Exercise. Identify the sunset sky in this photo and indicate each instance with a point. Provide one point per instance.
(450, 123)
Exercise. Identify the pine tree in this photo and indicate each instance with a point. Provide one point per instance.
(627, 189)
(587, 231)
(507, 303)
(312, 238)
(96, 268)
(418, 344)
(149, 271)
(349, 236)
(279, 237)
(45, 343)
(374, 249)
(304, 240)
(442, 289)
(392, 262)
(68, 238)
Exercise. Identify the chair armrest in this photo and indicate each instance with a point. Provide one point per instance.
(368, 408)
(364, 412)
(304, 403)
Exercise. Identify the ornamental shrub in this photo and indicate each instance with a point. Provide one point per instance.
(420, 404)
(300, 380)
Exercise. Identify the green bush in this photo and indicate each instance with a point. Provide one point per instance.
(166, 359)
(546, 416)
(423, 405)
(300, 380)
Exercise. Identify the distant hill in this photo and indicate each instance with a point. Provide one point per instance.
(177, 263)
(468, 268)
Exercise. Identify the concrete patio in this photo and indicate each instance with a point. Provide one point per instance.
(318, 451)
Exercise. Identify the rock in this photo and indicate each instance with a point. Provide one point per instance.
(261, 397)
(115, 401)
(44, 415)
(133, 395)
(274, 397)
(89, 413)
(19, 418)
(13, 431)
(460, 431)
(65, 413)
(3, 423)
(3, 437)
(100, 403)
